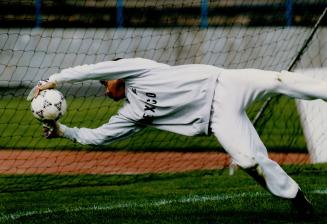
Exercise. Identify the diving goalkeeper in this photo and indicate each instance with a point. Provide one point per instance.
(191, 100)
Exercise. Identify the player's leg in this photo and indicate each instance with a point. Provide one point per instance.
(262, 82)
(233, 129)
(300, 86)
(235, 91)
(238, 137)
(247, 150)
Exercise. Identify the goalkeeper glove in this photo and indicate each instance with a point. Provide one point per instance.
(51, 129)
(42, 85)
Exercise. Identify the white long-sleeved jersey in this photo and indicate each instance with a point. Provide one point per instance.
(172, 98)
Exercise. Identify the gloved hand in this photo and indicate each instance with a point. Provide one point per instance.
(42, 85)
(51, 129)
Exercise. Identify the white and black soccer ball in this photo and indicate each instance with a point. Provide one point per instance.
(50, 104)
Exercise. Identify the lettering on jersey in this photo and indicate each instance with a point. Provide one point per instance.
(134, 90)
(149, 107)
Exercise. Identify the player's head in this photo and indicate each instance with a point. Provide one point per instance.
(115, 89)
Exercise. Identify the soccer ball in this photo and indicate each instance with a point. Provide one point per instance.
(50, 104)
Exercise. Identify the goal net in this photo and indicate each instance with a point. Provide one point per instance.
(39, 38)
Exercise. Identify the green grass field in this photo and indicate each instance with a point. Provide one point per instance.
(196, 197)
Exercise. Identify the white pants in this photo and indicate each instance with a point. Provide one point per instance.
(236, 90)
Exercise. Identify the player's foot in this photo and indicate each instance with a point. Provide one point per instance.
(302, 204)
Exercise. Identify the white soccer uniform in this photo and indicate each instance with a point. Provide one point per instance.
(191, 100)
(171, 98)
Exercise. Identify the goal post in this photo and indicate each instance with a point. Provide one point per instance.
(310, 120)
(313, 116)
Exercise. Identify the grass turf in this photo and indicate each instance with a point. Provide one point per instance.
(195, 197)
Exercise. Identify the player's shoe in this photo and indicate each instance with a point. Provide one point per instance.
(302, 204)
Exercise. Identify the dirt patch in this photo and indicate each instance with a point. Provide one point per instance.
(78, 162)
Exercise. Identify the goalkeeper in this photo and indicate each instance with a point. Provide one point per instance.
(191, 100)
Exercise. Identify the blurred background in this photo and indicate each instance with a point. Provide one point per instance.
(40, 37)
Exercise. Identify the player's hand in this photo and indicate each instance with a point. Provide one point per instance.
(42, 85)
(51, 129)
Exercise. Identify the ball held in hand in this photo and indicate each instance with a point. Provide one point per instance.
(49, 104)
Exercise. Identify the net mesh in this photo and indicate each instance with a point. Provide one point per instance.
(40, 38)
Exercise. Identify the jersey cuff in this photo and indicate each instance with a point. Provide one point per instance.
(66, 132)
(53, 79)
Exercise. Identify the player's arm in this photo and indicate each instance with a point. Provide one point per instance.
(108, 70)
(117, 128)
